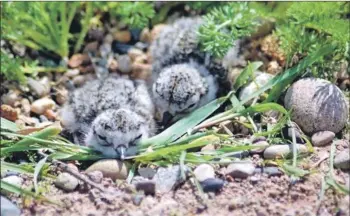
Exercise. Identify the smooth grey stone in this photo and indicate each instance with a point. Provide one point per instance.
(8, 208)
(212, 185)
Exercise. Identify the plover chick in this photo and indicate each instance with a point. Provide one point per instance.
(181, 88)
(184, 77)
(111, 113)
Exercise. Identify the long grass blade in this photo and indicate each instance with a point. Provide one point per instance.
(37, 170)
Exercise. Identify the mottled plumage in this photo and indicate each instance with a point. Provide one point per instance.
(184, 77)
(113, 113)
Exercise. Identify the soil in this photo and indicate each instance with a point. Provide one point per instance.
(257, 195)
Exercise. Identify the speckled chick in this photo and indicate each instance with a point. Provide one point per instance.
(184, 77)
(112, 114)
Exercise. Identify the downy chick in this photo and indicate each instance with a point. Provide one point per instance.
(112, 114)
(184, 77)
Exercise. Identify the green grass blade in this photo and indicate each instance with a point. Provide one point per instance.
(246, 74)
(20, 191)
(37, 170)
(289, 74)
(8, 125)
(185, 124)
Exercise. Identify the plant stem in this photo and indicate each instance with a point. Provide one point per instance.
(85, 24)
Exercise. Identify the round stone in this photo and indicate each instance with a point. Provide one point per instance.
(318, 105)
(212, 185)
(280, 151)
(240, 170)
(110, 168)
(322, 138)
(204, 172)
(66, 182)
(342, 160)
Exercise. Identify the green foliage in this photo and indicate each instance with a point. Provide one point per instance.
(134, 14)
(42, 25)
(11, 68)
(222, 26)
(310, 25)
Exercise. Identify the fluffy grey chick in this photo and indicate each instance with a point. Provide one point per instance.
(184, 77)
(112, 114)
(181, 88)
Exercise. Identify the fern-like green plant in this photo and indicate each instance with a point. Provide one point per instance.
(43, 25)
(11, 68)
(133, 14)
(223, 25)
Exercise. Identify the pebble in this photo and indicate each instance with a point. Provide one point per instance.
(240, 170)
(13, 179)
(318, 105)
(95, 176)
(120, 48)
(141, 59)
(209, 147)
(110, 168)
(272, 171)
(167, 178)
(322, 138)
(11, 97)
(259, 81)
(147, 186)
(263, 144)
(8, 208)
(141, 46)
(50, 115)
(66, 182)
(38, 88)
(204, 172)
(105, 49)
(279, 151)
(79, 80)
(133, 53)
(41, 105)
(135, 35)
(91, 47)
(137, 199)
(72, 72)
(108, 39)
(145, 35)
(124, 64)
(342, 160)
(25, 106)
(146, 172)
(43, 118)
(212, 185)
(122, 36)
(8, 112)
(78, 59)
(254, 179)
(62, 95)
(141, 71)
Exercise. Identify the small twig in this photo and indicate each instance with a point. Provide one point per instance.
(75, 173)
(319, 162)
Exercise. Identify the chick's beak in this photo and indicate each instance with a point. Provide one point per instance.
(121, 151)
(166, 119)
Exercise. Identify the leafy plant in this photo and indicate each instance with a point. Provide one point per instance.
(11, 68)
(43, 25)
(223, 25)
(134, 14)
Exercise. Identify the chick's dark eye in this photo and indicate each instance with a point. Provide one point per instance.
(101, 137)
(192, 105)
